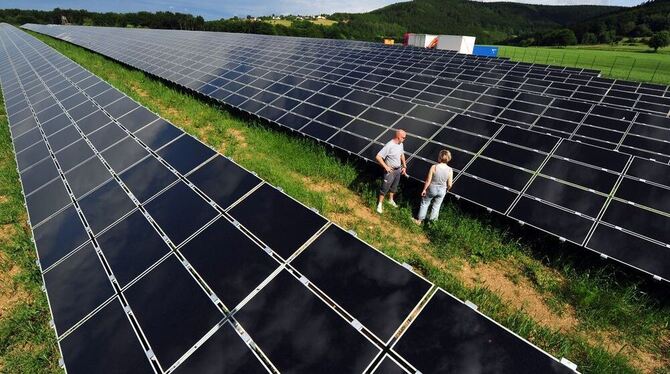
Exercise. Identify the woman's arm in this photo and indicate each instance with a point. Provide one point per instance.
(450, 181)
(429, 179)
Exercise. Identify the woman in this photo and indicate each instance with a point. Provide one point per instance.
(438, 182)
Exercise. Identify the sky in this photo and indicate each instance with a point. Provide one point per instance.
(228, 8)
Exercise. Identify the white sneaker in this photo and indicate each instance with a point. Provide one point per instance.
(392, 203)
(379, 209)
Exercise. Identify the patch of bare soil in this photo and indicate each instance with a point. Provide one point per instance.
(203, 132)
(167, 111)
(520, 294)
(645, 361)
(175, 116)
(10, 293)
(357, 212)
(3, 199)
(6, 232)
(137, 88)
(237, 136)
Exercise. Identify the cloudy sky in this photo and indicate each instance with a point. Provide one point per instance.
(228, 8)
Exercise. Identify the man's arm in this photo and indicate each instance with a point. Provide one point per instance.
(403, 163)
(381, 155)
(381, 162)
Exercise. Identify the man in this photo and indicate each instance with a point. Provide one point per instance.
(392, 160)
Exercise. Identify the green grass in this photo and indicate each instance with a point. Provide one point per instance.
(283, 22)
(324, 22)
(27, 342)
(602, 302)
(287, 23)
(460, 235)
(632, 62)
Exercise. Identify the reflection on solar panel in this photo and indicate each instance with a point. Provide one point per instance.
(160, 255)
(435, 341)
(564, 158)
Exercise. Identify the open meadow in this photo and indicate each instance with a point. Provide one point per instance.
(635, 62)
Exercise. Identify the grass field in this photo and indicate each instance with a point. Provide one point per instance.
(283, 22)
(287, 23)
(324, 22)
(590, 313)
(631, 62)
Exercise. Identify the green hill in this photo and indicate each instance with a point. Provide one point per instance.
(639, 21)
(489, 22)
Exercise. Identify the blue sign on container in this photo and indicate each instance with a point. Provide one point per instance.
(485, 51)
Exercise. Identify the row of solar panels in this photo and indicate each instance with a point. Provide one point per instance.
(159, 255)
(640, 134)
(429, 58)
(432, 62)
(577, 86)
(435, 62)
(547, 82)
(613, 204)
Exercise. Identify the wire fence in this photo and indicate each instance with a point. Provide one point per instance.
(612, 64)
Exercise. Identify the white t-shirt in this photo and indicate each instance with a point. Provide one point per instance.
(391, 154)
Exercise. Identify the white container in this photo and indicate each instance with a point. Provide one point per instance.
(458, 43)
(421, 40)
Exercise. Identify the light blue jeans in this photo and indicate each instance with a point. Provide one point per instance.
(435, 194)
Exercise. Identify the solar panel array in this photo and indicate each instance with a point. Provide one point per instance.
(549, 147)
(160, 255)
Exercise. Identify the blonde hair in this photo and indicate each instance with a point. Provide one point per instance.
(444, 156)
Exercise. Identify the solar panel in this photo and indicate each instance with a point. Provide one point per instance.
(531, 150)
(299, 332)
(389, 366)
(376, 291)
(448, 337)
(156, 249)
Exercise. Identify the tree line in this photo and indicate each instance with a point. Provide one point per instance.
(649, 21)
(154, 20)
(181, 21)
